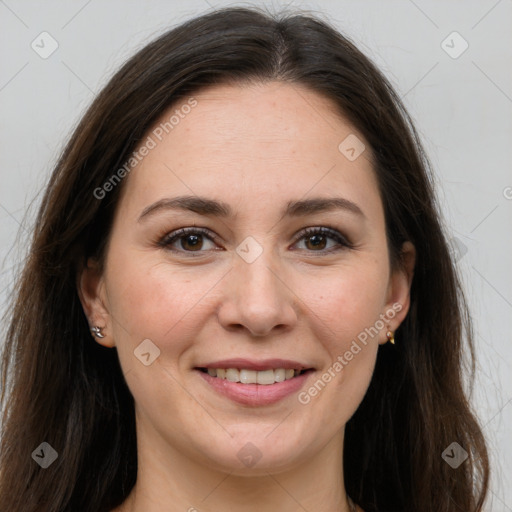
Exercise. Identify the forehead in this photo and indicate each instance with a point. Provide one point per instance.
(252, 143)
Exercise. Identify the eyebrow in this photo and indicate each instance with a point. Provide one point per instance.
(205, 206)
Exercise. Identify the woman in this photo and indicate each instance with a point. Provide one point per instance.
(244, 222)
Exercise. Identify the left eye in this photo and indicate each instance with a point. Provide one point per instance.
(317, 237)
(192, 239)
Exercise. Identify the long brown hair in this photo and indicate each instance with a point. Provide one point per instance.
(61, 387)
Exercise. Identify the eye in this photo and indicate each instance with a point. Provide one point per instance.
(316, 238)
(188, 239)
(192, 240)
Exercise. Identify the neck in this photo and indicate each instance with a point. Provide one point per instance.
(168, 479)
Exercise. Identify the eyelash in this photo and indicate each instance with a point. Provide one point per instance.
(170, 238)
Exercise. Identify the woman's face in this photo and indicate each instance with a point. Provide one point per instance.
(251, 291)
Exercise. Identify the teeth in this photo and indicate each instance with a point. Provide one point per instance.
(265, 377)
(280, 375)
(232, 375)
(248, 376)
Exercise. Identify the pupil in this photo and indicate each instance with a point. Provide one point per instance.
(319, 240)
(195, 241)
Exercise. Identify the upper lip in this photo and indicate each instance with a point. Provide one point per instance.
(258, 365)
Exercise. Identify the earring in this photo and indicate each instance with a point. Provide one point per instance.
(96, 331)
(391, 337)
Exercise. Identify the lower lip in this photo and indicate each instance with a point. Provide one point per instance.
(255, 394)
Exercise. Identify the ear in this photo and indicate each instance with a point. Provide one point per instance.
(399, 288)
(91, 291)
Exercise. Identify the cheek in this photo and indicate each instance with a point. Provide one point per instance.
(348, 308)
(155, 301)
(349, 300)
(158, 303)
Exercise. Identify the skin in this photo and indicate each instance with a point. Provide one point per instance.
(255, 148)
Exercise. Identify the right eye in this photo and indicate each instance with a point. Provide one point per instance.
(190, 239)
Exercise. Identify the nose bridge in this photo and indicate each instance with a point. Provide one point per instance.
(259, 298)
(261, 280)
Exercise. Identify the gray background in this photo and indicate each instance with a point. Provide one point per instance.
(462, 108)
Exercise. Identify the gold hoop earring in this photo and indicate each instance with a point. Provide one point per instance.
(391, 337)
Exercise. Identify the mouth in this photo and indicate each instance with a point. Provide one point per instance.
(247, 376)
(255, 383)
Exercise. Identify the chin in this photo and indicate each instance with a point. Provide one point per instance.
(255, 453)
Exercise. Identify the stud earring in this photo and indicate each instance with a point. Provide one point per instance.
(96, 331)
(391, 337)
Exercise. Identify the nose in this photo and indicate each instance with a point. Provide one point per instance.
(257, 298)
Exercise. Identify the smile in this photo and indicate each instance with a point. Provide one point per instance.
(245, 376)
(254, 383)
